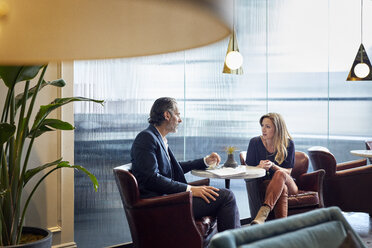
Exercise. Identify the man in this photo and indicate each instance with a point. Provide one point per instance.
(158, 173)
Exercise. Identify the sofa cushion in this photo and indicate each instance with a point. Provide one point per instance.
(325, 227)
(303, 199)
(329, 234)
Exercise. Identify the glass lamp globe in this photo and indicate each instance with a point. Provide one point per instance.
(234, 60)
(361, 70)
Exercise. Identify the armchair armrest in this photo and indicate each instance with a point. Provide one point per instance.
(351, 164)
(171, 199)
(312, 181)
(355, 171)
(202, 182)
(183, 198)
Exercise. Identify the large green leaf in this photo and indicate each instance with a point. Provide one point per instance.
(60, 164)
(82, 169)
(29, 72)
(46, 109)
(39, 131)
(9, 74)
(58, 124)
(32, 172)
(48, 125)
(14, 74)
(58, 83)
(6, 131)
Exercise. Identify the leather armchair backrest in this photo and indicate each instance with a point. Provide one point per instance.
(322, 158)
(301, 164)
(369, 144)
(369, 147)
(127, 185)
(242, 157)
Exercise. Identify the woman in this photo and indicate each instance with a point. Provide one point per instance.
(273, 151)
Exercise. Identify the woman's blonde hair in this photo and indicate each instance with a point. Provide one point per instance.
(281, 136)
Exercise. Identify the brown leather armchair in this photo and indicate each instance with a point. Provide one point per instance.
(164, 221)
(369, 147)
(310, 185)
(346, 185)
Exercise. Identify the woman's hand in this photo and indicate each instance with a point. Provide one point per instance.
(204, 192)
(265, 164)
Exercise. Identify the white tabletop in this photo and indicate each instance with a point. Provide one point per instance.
(362, 153)
(250, 172)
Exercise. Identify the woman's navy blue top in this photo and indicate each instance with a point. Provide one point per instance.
(257, 152)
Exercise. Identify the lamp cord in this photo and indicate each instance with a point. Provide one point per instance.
(233, 45)
(361, 30)
(361, 21)
(234, 14)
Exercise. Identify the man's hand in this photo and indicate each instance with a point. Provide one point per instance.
(204, 192)
(213, 159)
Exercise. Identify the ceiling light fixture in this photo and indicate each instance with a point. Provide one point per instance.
(234, 59)
(361, 68)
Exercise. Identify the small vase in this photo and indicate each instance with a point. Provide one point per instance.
(230, 162)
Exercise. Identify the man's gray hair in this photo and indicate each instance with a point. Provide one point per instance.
(160, 106)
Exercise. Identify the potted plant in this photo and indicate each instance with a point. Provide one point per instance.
(15, 128)
(230, 162)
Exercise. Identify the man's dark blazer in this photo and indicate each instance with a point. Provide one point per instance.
(155, 173)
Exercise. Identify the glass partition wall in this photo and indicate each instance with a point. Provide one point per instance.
(297, 55)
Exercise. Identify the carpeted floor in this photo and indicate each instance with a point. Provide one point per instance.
(362, 224)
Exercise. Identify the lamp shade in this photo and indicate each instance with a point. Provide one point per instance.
(361, 68)
(41, 31)
(233, 59)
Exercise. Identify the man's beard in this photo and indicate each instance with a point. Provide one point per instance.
(173, 128)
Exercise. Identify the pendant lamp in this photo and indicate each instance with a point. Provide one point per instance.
(361, 70)
(234, 59)
(42, 31)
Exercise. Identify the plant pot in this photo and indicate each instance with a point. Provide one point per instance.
(45, 242)
(230, 162)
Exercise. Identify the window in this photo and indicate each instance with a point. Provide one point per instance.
(296, 59)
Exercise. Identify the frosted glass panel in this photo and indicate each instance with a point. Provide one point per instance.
(297, 55)
(104, 135)
(350, 105)
(298, 68)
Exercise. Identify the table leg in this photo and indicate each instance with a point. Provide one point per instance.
(255, 198)
(227, 183)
